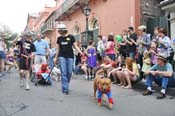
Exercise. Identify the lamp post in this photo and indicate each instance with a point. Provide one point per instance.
(86, 34)
(87, 11)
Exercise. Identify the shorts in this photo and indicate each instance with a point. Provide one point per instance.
(24, 64)
(2, 55)
(39, 59)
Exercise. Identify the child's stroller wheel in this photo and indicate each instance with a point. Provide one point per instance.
(36, 84)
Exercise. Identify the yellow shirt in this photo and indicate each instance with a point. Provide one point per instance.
(135, 69)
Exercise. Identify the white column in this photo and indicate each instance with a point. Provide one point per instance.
(172, 15)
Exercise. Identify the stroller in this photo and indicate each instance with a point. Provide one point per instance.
(41, 75)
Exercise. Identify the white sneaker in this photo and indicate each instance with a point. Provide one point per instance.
(27, 86)
(21, 83)
(86, 77)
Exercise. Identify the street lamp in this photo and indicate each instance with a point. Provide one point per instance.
(87, 34)
(87, 11)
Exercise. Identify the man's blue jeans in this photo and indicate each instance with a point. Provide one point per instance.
(66, 66)
(164, 82)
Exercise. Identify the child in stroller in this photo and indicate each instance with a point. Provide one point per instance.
(43, 75)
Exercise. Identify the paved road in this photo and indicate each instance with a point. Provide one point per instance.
(49, 101)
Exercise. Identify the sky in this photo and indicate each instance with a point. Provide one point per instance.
(13, 13)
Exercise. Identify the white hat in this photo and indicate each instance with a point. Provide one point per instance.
(141, 27)
(162, 56)
(61, 26)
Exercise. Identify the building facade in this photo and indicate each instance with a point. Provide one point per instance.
(107, 16)
(31, 19)
(35, 21)
(169, 7)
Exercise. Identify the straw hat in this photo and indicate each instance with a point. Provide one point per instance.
(162, 56)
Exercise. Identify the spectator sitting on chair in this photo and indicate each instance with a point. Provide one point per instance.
(162, 74)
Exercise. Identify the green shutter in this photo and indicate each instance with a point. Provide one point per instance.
(95, 35)
(77, 37)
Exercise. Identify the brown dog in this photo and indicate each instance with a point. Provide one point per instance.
(103, 85)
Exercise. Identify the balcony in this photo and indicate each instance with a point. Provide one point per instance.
(68, 7)
(49, 25)
(169, 7)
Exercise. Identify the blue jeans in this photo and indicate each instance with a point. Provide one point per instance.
(66, 66)
(164, 82)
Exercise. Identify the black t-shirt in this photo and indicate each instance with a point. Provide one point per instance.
(131, 48)
(65, 44)
(122, 49)
(26, 47)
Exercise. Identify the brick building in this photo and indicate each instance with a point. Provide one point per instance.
(106, 16)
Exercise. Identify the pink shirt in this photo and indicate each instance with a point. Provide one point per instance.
(111, 48)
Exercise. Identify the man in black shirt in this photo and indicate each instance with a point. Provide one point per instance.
(130, 43)
(65, 42)
(26, 53)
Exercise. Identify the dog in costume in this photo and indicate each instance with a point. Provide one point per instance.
(103, 86)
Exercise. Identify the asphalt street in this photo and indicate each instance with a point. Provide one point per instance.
(49, 101)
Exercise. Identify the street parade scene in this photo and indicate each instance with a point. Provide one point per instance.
(87, 57)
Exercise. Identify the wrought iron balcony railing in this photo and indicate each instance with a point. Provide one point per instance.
(64, 7)
(49, 25)
(67, 5)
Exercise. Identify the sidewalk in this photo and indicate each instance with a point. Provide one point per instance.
(2, 111)
(49, 100)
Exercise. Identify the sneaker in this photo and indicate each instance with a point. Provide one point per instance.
(86, 77)
(161, 96)
(147, 92)
(21, 83)
(66, 92)
(27, 87)
(89, 77)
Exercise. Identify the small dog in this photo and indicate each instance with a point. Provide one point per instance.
(55, 74)
(103, 85)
